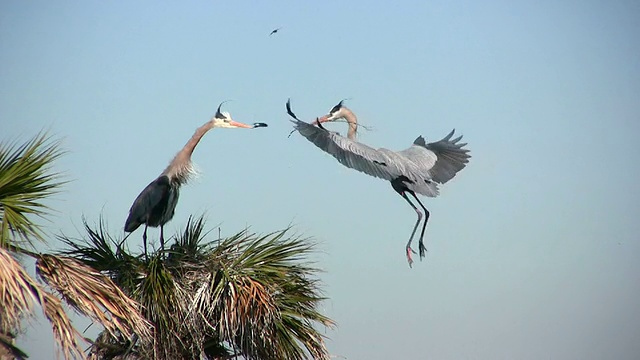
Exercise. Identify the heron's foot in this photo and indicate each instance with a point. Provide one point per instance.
(422, 249)
(409, 251)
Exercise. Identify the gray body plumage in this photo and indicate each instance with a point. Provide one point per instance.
(155, 205)
(424, 165)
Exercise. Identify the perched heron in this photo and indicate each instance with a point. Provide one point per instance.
(418, 169)
(156, 204)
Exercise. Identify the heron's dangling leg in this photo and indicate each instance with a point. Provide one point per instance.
(415, 227)
(421, 248)
(401, 188)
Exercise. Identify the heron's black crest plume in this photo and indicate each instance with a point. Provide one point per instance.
(218, 114)
(337, 107)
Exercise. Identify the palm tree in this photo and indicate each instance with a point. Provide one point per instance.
(26, 182)
(246, 295)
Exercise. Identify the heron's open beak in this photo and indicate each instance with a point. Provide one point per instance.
(245, 126)
(320, 120)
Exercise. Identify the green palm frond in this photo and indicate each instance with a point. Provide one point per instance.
(26, 180)
(158, 292)
(106, 254)
(189, 247)
(166, 301)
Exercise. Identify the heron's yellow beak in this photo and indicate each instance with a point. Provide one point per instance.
(239, 125)
(320, 120)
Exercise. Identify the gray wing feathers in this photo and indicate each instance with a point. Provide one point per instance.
(350, 153)
(450, 157)
(144, 203)
(425, 165)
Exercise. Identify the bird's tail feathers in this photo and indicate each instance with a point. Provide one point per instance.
(427, 188)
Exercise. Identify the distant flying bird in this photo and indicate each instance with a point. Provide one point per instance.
(156, 204)
(418, 169)
(275, 31)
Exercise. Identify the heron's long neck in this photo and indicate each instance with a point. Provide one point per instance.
(180, 167)
(352, 120)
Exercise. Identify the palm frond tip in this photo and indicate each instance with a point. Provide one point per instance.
(26, 181)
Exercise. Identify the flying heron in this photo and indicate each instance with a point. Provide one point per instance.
(418, 169)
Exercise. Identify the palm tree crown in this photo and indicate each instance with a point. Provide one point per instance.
(246, 295)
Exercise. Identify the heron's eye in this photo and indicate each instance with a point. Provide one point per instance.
(226, 120)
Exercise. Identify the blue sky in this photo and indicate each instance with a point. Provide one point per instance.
(532, 248)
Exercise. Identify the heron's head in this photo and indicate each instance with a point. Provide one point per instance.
(223, 120)
(337, 112)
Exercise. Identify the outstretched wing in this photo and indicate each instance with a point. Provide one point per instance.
(148, 199)
(351, 153)
(445, 157)
(423, 166)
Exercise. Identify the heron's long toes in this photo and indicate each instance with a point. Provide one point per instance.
(422, 249)
(409, 259)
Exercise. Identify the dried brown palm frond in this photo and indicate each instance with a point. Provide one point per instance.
(160, 293)
(241, 310)
(19, 292)
(16, 294)
(93, 294)
(64, 333)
